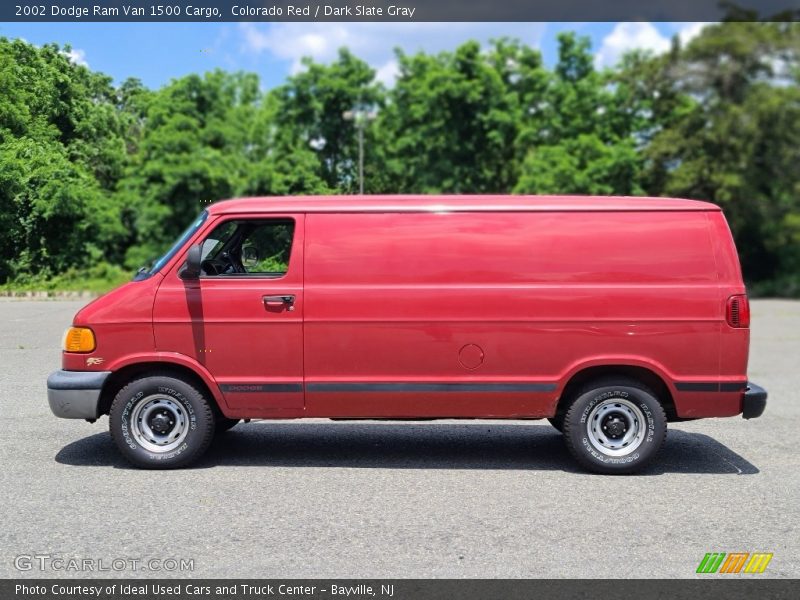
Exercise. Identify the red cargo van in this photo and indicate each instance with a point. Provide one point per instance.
(607, 316)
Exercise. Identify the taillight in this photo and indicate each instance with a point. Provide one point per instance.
(738, 311)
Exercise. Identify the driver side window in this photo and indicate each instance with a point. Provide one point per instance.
(248, 247)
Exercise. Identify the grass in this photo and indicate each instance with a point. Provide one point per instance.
(96, 280)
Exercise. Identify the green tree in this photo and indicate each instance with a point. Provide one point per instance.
(737, 142)
(61, 155)
(202, 139)
(278, 164)
(92, 174)
(310, 108)
(452, 119)
(582, 139)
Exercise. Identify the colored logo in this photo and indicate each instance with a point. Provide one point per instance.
(734, 562)
(94, 361)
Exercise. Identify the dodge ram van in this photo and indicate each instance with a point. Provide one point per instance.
(609, 316)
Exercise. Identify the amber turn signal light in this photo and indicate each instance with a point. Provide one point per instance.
(79, 339)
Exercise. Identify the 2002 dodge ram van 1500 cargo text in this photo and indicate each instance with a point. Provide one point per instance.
(607, 316)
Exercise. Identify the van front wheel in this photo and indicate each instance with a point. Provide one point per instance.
(161, 422)
(615, 426)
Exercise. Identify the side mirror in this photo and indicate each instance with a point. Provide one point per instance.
(191, 268)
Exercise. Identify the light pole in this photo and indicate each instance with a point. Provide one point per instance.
(360, 117)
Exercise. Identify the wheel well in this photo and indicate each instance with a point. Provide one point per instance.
(641, 374)
(119, 379)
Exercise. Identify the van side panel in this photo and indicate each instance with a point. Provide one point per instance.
(734, 342)
(488, 314)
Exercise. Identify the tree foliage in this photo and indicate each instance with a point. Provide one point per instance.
(62, 153)
(92, 173)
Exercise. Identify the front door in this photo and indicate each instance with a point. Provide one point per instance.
(243, 319)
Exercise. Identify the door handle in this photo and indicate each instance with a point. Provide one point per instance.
(278, 301)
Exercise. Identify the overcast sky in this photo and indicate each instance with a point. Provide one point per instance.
(157, 52)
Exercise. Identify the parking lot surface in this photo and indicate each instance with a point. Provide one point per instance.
(375, 499)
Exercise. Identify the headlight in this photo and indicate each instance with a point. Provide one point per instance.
(79, 339)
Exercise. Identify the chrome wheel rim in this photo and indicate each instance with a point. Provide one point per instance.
(159, 423)
(616, 427)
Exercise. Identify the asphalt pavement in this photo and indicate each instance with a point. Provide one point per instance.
(375, 499)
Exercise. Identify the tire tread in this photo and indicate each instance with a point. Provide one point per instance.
(610, 381)
(204, 441)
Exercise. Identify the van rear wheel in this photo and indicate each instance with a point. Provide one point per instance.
(615, 426)
(161, 422)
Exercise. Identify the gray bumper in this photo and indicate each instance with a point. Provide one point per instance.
(75, 394)
(755, 401)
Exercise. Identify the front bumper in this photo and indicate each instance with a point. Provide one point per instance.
(75, 394)
(755, 401)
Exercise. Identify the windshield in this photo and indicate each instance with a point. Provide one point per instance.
(144, 272)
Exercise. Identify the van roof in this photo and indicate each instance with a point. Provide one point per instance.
(454, 203)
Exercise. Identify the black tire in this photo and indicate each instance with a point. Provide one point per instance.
(177, 417)
(557, 422)
(223, 424)
(615, 406)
